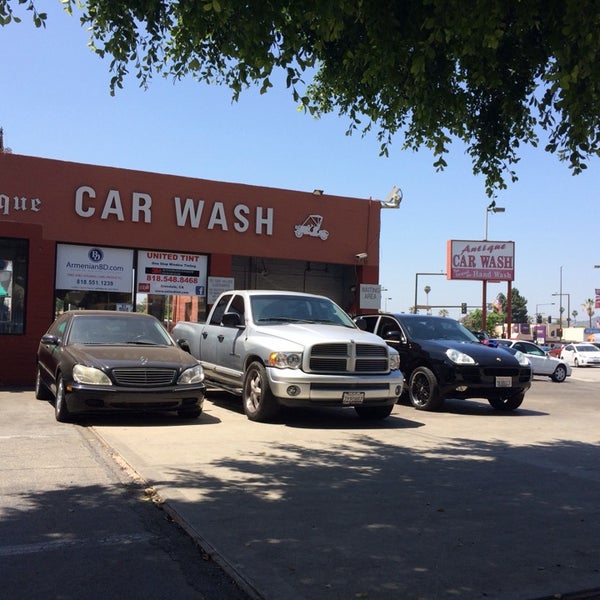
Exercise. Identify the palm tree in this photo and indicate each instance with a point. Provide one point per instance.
(588, 306)
(574, 315)
(427, 289)
(443, 312)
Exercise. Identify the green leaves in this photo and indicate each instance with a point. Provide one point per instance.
(7, 15)
(492, 74)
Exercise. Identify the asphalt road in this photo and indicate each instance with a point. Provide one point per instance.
(466, 503)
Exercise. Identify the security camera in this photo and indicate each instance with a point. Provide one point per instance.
(393, 198)
(361, 256)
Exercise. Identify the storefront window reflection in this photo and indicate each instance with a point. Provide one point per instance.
(90, 300)
(13, 278)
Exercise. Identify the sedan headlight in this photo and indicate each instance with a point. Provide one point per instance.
(192, 375)
(460, 358)
(285, 360)
(523, 360)
(90, 376)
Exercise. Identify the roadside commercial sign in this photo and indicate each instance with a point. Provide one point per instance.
(218, 285)
(370, 296)
(168, 273)
(480, 260)
(93, 268)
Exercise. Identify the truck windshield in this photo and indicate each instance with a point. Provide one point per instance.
(275, 309)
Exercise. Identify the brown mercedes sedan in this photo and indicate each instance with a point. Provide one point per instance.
(92, 361)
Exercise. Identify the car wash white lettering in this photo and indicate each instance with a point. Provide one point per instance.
(141, 205)
(189, 213)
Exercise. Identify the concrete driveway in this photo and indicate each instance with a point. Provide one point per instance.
(466, 503)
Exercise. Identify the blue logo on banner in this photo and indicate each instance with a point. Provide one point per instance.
(95, 255)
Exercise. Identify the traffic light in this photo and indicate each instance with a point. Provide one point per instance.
(549, 319)
(539, 318)
(463, 308)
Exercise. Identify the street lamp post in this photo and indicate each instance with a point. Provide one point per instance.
(561, 308)
(417, 287)
(491, 208)
(495, 209)
(537, 306)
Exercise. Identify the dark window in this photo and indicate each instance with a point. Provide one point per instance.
(13, 285)
(219, 310)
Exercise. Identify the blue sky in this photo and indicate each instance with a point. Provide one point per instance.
(55, 103)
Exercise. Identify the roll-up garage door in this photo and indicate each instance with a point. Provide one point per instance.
(331, 280)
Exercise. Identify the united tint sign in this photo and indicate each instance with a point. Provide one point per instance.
(480, 260)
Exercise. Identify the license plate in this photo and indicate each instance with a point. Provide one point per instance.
(503, 381)
(353, 397)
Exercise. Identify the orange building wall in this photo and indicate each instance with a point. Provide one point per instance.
(352, 223)
(39, 202)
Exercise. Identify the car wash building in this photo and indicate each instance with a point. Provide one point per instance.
(77, 236)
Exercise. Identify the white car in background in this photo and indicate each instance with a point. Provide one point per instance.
(581, 355)
(541, 362)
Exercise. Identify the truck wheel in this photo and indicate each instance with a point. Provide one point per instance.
(259, 402)
(506, 404)
(560, 374)
(374, 412)
(423, 390)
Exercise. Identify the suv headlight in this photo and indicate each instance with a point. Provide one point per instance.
(285, 360)
(460, 358)
(192, 375)
(90, 376)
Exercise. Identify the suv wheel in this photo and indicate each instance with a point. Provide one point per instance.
(423, 390)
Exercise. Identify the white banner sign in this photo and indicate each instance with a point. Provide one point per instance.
(218, 285)
(370, 296)
(93, 268)
(168, 273)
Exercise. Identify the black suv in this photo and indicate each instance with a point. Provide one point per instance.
(440, 359)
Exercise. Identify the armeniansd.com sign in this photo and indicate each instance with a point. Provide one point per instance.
(93, 268)
(481, 260)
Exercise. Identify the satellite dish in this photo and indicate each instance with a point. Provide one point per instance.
(394, 198)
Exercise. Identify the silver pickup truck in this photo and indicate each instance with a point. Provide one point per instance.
(288, 348)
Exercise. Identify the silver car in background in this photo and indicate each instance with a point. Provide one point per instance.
(541, 362)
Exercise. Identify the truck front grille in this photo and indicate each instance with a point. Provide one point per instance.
(348, 358)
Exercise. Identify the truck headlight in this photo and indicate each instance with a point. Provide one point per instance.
(394, 361)
(285, 360)
(90, 375)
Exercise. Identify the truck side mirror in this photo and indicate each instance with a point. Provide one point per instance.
(231, 319)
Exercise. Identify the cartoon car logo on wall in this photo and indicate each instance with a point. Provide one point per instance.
(312, 227)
